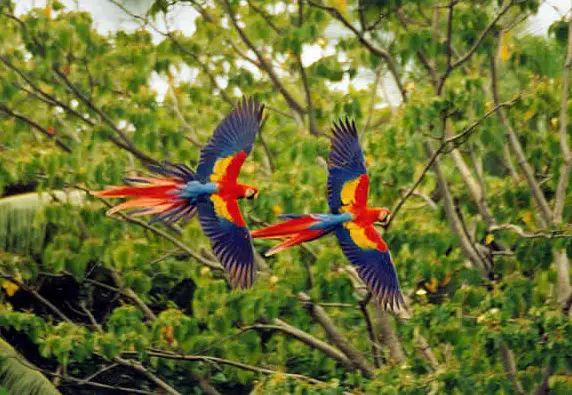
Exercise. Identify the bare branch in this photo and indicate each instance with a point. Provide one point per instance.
(372, 97)
(267, 18)
(567, 156)
(425, 350)
(336, 336)
(240, 365)
(563, 269)
(452, 217)
(543, 387)
(527, 235)
(389, 337)
(311, 118)
(509, 363)
(264, 65)
(36, 126)
(192, 133)
(151, 376)
(370, 331)
(37, 295)
(518, 151)
(309, 340)
(507, 159)
(463, 134)
(46, 97)
(379, 52)
(478, 41)
(123, 141)
(448, 46)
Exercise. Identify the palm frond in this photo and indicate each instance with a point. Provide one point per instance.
(19, 376)
(19, 232)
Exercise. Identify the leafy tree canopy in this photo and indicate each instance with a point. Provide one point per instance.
(464, 119)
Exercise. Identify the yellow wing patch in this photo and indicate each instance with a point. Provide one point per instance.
(221, 207)
(219, 169)
(348, 194)
(357, 233)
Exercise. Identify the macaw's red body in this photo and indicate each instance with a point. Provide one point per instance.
(351, 219)
(212, 192)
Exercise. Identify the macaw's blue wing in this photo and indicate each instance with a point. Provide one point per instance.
(229, 237)
(365, 249)
(233, 136)
(348, 183)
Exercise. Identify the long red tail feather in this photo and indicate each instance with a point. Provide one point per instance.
(153, 195)
(284, 229)
(296, 239)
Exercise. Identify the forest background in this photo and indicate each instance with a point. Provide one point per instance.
(464, 116)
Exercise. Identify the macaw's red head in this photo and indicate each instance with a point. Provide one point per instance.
(248, 191)
(383, 216)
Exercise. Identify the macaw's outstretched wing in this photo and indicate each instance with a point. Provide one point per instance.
(226, 151)
(230, 239)
(348, 183)
(366, 250)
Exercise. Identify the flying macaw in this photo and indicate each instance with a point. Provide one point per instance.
(212, 191)
(351, 219)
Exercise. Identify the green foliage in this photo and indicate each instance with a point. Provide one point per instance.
(112, 291)
(19, 376)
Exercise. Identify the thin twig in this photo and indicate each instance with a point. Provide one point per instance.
(336, 336)
(371, 333)
(264, 64)
(36, 295)
(377, 51)
(36, 126)
(465, 133)
(528, 235)
(151, 376)
(240, 365)
(479, 40)
(566, 167)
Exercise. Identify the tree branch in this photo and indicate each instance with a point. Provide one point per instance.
(264, 65)
(311, 118)
(543, 387)
(336, 336)
(151, 376)
(518, 151)
(379, 52)
(370, 331)
(240, 365)
(567, 156)
(510, 367)
(123, 141)
(479, 40)
(46, 97)
(463, 134)
(309, 340)
(37, 295)
(36, 126)
(447, 46)
(454, 221)
(555, 234)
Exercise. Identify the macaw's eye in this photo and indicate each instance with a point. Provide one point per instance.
(251, 194)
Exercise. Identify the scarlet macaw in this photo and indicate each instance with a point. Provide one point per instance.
(212, 191)
(351, 219)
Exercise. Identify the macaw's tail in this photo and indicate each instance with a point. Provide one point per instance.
(155, 196)
(297, 229)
